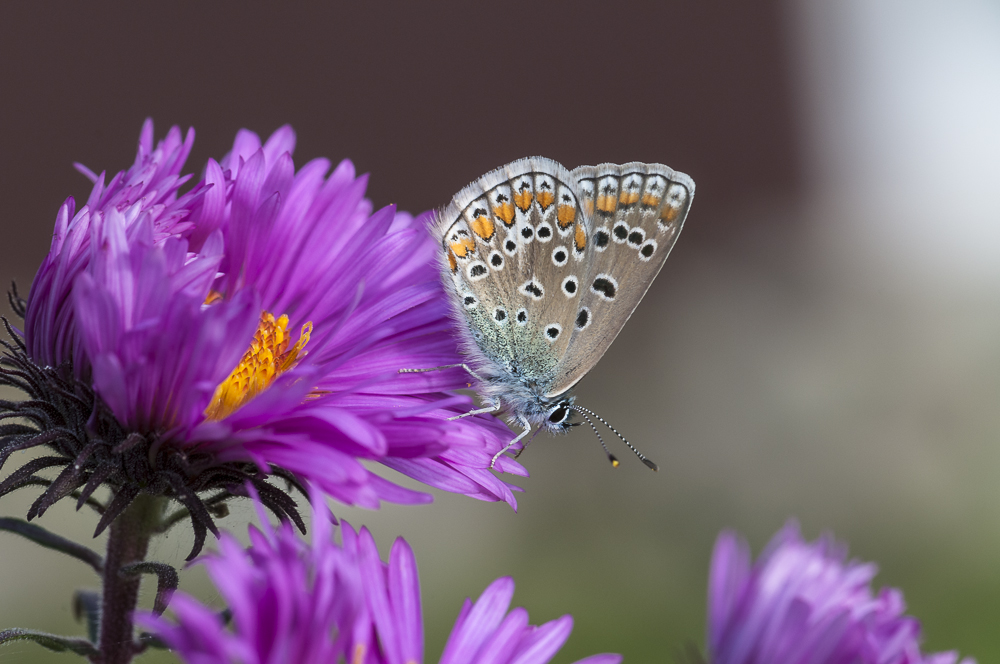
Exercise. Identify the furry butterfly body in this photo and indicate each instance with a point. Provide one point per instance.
(543, 266)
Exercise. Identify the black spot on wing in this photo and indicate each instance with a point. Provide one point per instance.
(605, 287)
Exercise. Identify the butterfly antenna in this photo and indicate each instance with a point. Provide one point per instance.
(611, 457)
(642, 457)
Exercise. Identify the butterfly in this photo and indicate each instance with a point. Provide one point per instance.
(542, 267)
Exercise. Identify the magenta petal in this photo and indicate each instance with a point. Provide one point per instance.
(605, 658)
(542, 644)
(373, 577)
(485, 616)
(503, 643)
(803, 602)
(153, 297)
(404, 593)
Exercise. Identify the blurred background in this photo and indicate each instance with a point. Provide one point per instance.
(824, 343)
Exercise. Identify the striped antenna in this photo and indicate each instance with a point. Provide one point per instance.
(611, 457)
(642, 457)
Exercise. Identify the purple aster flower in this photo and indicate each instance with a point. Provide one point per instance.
(291, 602)
(147, 193)
(180, 343)
(805, 602)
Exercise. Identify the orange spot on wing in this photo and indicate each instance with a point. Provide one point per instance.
(650, 200)
(669, 214)
(523, 200)
(483, 227)
(580, 237)
(452, 263)
(545, 199)
(565, 214)
(629, 197)
(588, 206)
(606, 203)
(463, 247)
(505, 212)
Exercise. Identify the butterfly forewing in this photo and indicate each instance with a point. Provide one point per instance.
(635, 213)
(514, 245)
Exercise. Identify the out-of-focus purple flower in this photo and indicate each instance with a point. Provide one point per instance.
(804, 602)
(289, 602)
(292, 602)
(257, 322)
(484, 632)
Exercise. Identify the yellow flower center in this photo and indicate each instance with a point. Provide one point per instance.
(267, 358)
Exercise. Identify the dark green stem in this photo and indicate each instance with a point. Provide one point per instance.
(128, 540)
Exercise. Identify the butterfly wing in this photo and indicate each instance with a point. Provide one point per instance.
(513, 252)
(634, 215)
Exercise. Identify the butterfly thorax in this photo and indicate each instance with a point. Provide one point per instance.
(521, 398)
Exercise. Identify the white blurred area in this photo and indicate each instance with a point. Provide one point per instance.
(902, 129)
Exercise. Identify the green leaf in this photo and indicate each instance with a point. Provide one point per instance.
(50, 641)
(50, 540)
(87, 604)
(166, 581)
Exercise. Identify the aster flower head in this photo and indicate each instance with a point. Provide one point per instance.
(805, 602)
(177, 343)
(292, 602)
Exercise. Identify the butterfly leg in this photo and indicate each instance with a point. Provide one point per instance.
(492, 408)
(527, 429)
(447, 366)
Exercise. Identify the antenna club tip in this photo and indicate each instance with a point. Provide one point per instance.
(614, 461)
(651, 465)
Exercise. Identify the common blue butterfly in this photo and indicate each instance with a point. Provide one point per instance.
(543, 266)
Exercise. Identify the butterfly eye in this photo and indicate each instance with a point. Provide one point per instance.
(559, 415)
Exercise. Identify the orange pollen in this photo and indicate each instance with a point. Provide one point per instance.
(267, 358)
(213, 297)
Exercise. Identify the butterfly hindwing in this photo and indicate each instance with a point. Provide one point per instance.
(635, 213)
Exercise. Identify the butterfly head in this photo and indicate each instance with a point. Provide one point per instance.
(558, 415)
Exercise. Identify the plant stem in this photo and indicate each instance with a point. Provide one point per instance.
(128, 540)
